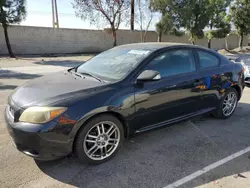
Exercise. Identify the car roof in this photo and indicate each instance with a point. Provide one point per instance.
(156, 45)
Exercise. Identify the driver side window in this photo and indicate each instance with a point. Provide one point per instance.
(173, 62)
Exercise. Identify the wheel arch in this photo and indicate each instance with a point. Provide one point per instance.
(115, 114)
(238, 89)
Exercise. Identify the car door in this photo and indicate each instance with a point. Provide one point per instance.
(216, 77)
(174, 96)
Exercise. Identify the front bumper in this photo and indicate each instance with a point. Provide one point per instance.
(32, 140)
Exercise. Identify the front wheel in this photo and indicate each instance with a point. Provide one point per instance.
(227, 104)
(99, 139)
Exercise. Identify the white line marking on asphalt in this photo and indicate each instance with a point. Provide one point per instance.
(3, 105)
(207, 169)
(204, 134)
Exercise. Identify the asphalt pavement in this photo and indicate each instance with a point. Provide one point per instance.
(155, 159)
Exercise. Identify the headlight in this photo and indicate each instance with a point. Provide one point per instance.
(41, 114)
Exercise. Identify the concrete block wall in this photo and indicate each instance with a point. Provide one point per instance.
(42, 40)
(38, 40)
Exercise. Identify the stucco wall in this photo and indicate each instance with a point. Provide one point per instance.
(42, 40)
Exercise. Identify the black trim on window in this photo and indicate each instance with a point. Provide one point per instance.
(161, 51)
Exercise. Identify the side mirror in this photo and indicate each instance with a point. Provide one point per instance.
(149, 75)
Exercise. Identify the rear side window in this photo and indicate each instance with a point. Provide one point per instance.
(207, 60)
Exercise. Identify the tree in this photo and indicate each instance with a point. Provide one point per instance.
(219, 24)
(159, 30)
(166, 26)
(192, 15)
(112, 12)
(132, 14)
(240, 16)
(144, 17)
(11, 12)
(222, 32)
(167, 23)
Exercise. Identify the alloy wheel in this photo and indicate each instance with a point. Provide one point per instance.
(101, 140)
(229, 103)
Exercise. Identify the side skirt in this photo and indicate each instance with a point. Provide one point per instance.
(174, 120)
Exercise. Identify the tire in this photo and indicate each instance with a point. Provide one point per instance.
(90, 139)
(219, 111)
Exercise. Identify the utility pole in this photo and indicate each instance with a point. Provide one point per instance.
(53, 14)
(132, 14)
(55, 19)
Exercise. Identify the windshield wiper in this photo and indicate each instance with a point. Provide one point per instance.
(91, 75)
(76, 73)
(80, 74)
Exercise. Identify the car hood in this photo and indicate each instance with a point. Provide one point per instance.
(52, 88)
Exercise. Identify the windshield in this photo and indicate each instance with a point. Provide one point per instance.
(114, 64)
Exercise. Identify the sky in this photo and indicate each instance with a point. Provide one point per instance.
(39, 13)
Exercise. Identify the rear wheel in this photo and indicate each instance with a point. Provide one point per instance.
(99, 139)
(227, 104)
